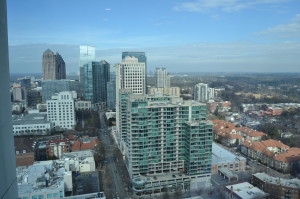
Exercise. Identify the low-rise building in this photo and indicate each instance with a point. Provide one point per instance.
(57, 147)
(31, 124)
(165, 91)
(86, 143)
(277, 187)
(243, 190)
(79, 161)
(222, 158)
(43, 180)
(273, 153)
(229, 134)
(83, 105)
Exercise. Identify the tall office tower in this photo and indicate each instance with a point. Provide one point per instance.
(168, 143)
(201, 92)
(162, 78)
(87, 54)
(141, 56)
(61, 111)
(111, 92)
(8, 179)
(96, 76)
(54, 66)
(130, 75)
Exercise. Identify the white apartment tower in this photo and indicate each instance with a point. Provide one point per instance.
(130, 76)
(201, 92)
(61, 111)
(162, 78)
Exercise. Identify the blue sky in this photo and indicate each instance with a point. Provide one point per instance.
(192, 35)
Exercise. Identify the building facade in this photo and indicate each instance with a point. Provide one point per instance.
(54, 66)
(277, 187)
(111, 92)
(165, 91)
(61, 111)
(167, 138)
(141, 56)
(19, 94)
(86, 54)
(201, 92)
(162, 78)
(51, 87)
(31, 124)
(57, 147)
(83, 105)
(96, 76)
(131, 76)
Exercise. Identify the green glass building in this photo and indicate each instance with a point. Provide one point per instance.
(168, 142)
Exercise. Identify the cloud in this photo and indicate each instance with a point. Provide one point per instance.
(201, 57)
(283, 31)
(108, 9)
(205, 6)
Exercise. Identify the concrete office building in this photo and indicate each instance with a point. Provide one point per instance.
(96, 76)
(31, 124)
(141, 56)
(130, 75)
(8, 182)
(168, 143)
(162, 78)
(61, 111)
(54, 66)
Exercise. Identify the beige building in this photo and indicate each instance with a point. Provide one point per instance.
(272, 153)
(165, 91)
(222, 158)
(54, 66)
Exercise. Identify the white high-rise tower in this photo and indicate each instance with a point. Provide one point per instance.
(130, 76)
(201, 92)
(162, 78)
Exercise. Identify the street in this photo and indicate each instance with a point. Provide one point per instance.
(117, 183)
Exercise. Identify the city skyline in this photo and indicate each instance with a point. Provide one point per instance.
(200, 36)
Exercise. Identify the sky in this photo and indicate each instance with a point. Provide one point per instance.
(182, 36)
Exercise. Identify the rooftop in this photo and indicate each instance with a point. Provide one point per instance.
(40, 177)
(294, 183)
(33, 118)
(246, 190)
(220, 155)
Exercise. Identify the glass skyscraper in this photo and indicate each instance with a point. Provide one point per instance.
(86, 55)
(111, 92)
(96, 76)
